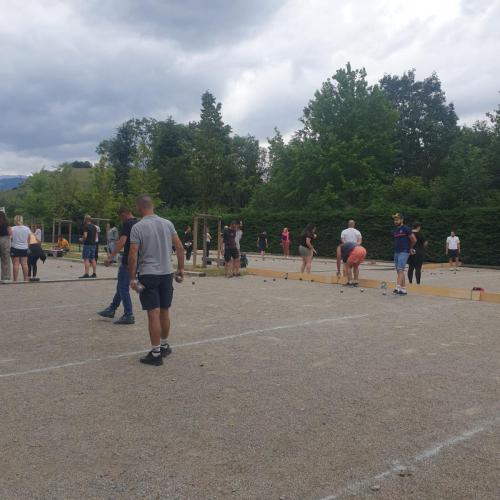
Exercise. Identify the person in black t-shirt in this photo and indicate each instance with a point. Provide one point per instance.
(88, 239)
(306, 248)
(122, 294)
(231, 254)
(416, 259)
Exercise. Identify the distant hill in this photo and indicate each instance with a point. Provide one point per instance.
(11, 181)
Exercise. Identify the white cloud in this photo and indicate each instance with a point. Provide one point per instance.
(73, 71)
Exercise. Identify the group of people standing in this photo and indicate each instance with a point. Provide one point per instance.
(20, 249)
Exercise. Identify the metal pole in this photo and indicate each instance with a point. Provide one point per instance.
(205, 228)
(219, 231)
(53, 231)
(195, 240)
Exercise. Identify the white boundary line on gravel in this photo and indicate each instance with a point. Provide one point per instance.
(186, 344)
(427, 454)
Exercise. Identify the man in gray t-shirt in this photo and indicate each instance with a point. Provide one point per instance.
(151, 274)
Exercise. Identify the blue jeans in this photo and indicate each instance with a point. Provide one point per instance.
(400, 260)
(122, 292)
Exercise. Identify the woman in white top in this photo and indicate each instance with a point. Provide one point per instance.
(19, 247)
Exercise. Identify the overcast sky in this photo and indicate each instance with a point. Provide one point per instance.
(72, 70)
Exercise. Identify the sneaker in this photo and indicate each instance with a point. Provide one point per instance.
(347, 284)
(94, 275)
(34, 279)
(107, 313)
(125, 320)
(396, 291)
(355, 284)
(84, 277)
(402, 292)
(165, 351)
(149, 359)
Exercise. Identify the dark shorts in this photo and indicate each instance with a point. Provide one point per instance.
(231, 253)
(452, 254)
(158, 291)
(88, 252)
(17, 252)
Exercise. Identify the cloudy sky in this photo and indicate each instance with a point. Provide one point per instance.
(72, 70)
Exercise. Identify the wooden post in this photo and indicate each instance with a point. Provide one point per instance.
(195, 240)
(219, 230)
(53, 231)
(204, 259)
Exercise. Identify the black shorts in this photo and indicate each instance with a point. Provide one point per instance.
(231, 253)
(17, 252)
(452, 254)
(158, 291)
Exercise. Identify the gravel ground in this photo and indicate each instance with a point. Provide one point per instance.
(465, 277)
(276, 389)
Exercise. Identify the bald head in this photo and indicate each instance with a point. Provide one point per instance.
(144, 204)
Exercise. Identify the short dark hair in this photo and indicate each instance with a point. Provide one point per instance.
(145, 201)
(123, 210)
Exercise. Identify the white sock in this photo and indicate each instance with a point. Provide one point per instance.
(155, 350)
(164, 342)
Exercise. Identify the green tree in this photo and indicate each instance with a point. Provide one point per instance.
(170, 143)
(120, 151)
(427, 125)
(102, 200)
(212, 170)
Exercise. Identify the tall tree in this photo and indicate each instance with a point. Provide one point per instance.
(120, 151)
(170, 143)
(427, 124)
(212, 170)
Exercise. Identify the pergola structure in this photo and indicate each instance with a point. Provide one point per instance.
(59, 224)
(203, 218)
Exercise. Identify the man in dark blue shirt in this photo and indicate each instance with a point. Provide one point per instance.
(404, 241)
(122, 294)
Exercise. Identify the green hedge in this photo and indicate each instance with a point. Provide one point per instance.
(478, 229)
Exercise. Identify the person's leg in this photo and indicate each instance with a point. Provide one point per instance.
(309, 263)
(154, 327)
(86, 266)
(355, 270)
(5, 257)
(93, 262)
(165, 325)
(124, 290)
(29, 266)
(24, 267)
(411, 268)
(15, 268)
(150, 301)
(419, 261)
(34, 266)
(304, 264)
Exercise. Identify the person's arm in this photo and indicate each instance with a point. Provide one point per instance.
(413, 240)
(132, 265)
(310, 245)
(458, 246)
(360, 238)
(446, 247)
(339, 259)
(84, 236)
(9, 231)
(180, 256)
(120, 244)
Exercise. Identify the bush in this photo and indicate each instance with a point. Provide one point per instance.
(479, 238)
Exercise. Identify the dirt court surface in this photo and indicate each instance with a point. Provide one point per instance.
(274, 390)
(465, 277)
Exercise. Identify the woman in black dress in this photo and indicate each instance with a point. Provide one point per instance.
(416, 259)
